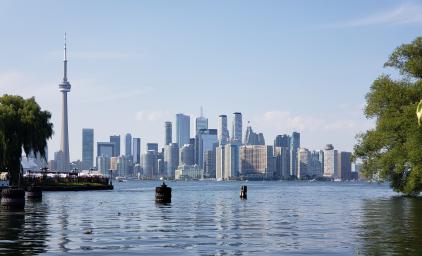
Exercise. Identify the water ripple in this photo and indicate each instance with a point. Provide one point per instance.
(208, 218)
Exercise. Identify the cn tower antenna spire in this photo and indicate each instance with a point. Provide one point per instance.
(65, 49)
(65, 60)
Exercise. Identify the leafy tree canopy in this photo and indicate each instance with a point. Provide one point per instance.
(23, 126)
(393, 149)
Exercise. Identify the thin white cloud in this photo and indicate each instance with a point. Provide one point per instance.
(316, 131)
(407, 13)
(19, 83)
(284, 121)
(152, 115)
(10, 79)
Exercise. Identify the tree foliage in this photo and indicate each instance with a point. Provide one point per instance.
(23, 126)
(393, 149)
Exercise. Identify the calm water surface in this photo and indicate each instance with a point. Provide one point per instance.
(208, 218)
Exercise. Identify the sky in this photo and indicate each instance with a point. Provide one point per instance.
(288, 66)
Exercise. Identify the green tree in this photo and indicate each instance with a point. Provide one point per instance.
(393, 149)
(23, 126)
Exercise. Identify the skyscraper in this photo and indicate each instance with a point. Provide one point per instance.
(209, 162)
(252, 138)
(315, 169)
(106, 149)
(295, 141)
(282, 162)
(237, 129)
(59, 159)
(330, 161)
(304, 162)
(201, 123)
(136, 144)
(207, 140)
(103, 164)
(150, 164)
(227, 161)
(116, 140)
(153, 146)
(256, 161)
(128, 145)
(168, 132)
(294, 148)
(64, 87)
(171, 159)
(231, 161)
(223, 133)
(344, 165)
(119, 165)
(282, 141)
(87, 148)
(182, 129)
(219, 162)
(187, 156)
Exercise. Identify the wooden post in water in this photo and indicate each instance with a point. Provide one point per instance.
(111, 176)
(163, 194)
(243, 192)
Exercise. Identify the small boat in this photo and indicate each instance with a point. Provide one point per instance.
(120, 179)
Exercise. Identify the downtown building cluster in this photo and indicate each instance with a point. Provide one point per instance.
(209, 153)
(213, 154)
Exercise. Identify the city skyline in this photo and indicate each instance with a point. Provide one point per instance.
(274, 70)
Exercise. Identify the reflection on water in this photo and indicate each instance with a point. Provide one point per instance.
(23, 232)
(391, 226)
(208, 218)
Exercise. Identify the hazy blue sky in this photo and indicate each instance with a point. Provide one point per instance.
(286, 65)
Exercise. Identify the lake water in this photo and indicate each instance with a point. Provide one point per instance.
(208, 218)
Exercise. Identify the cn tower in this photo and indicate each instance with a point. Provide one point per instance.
(64, 87)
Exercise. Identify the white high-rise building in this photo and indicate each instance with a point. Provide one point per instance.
(64, 87)
(256, 161)
(223, 133)
(304, 161)
(330, 161)
(182, 129)
(237, 129)
(227, 162)
(231, 161)
(171, 159)
(219, 162)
